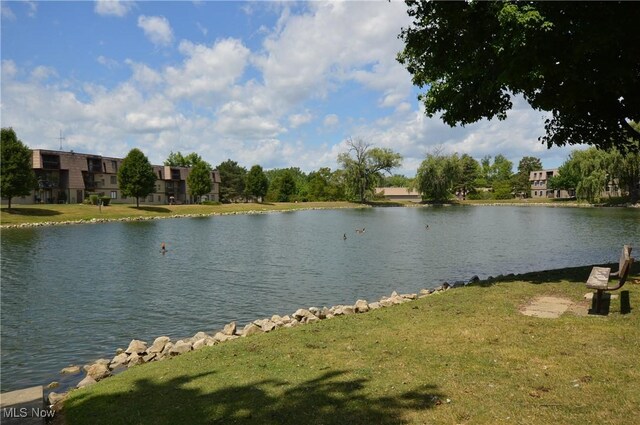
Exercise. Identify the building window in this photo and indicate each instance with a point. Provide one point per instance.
(114, 194)
(150, 198)
(114, 165)
(160, 174)
(114, 180)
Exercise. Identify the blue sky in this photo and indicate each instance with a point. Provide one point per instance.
(272, 83)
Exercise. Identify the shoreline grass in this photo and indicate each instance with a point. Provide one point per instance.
(464, 356)
(58, 213)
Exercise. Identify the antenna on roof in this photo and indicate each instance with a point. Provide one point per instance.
(61, 138)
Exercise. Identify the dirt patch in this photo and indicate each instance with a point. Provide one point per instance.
(551, 307)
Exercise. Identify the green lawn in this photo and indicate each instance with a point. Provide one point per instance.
(19, 214)
(465, 356)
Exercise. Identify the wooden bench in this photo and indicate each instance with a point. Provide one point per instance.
(599, 277)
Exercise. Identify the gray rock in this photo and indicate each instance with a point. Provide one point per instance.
(315, 311)
(149, 357)
(98, 371)
(361, 306)
(55, 397)
(87, 381)
(267, 325)
(119, 351)
(199, 343)
(167, 348)
(275, 318)
(386, 302)
(119, 360)
(230, 329)
(70, 370)
(135, 359)
(54, 384)
(251, 329)
(374, 306)
(158, 344)
(199, 336)
(136, 346)
(302, 313)
(180, 347)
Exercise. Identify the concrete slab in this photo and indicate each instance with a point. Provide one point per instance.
(547, 307)
(23, 407)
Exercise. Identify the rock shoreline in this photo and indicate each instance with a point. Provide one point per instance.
(139, 352)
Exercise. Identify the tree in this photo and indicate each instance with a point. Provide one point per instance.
(176, 160)
(562, 57)
(469, 173)
(437, 175)
(17, 177)
(286, 187)
(396, 180)
(625, 168)
(135, 176)
(232, 177)
(256, 184)
(588, 169)
(521, 180)
(363, 169)
(179, 160)
(199, 180)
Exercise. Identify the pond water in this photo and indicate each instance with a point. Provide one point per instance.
(72, 294)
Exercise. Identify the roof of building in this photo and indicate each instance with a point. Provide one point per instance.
(397, 191)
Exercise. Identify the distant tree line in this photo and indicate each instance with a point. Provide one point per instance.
(440, 176)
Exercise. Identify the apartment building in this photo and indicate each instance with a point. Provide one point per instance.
(539, 188)
(69, 177)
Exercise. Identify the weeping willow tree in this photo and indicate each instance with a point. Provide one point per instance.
(438, 175)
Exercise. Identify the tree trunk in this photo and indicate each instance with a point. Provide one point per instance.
(633, 193)
(9, 204)
(137, 202)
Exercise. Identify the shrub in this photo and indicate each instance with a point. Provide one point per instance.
(105, 200)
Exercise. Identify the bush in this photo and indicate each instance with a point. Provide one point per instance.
(93, 199)
(105, 200)
(210, 203)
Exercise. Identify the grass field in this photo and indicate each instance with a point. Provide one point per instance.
(464, 356)
(19, 214)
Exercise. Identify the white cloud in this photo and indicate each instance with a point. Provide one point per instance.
(7, 13)
(296, 120)
(309, 55)
(9, 69)
(157, 29)
(112, 7)
(202, 28)
(43, 72)
(108, 62)
(331, 121)
(207, 70)
(32, 7)
(144, 75)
